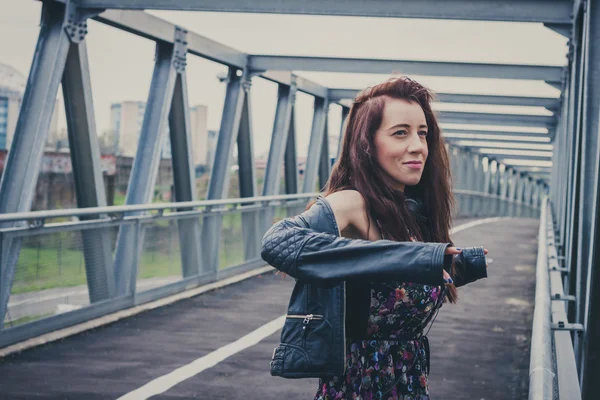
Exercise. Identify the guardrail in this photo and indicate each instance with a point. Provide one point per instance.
(552, 368)
(57, 264)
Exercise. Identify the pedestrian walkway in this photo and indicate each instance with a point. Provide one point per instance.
(480, 347)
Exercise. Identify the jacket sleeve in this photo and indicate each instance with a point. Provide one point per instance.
(470, 266)
(309, 255)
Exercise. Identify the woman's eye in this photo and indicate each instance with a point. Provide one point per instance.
(423, 133)
(399, 133)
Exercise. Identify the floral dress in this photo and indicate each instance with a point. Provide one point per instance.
(393, 363)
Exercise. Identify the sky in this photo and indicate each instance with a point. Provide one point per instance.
(121, 63)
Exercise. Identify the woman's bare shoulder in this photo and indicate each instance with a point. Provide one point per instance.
(349, 208)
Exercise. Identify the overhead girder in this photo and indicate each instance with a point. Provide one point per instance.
(455, 117)
(154, 28)
(452, 138)
(498, 145)
(502, 157)
(495, 133)
(547, 102)
(408, 67)
(553, 11)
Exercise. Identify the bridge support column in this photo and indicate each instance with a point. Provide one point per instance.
(345, 112)
(282, 126)
(87, 171)
(184, 175)
(142, 180)
(316, 147)
(60, 39)
(587, 347)
(220, 175)
(247, 178)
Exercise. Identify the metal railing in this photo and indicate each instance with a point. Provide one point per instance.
(552, 368)
(56, 261)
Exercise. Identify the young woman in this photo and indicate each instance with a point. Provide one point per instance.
(373, 258)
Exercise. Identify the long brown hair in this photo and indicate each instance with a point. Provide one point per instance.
(357, 168)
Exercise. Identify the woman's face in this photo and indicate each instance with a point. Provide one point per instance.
(401, 142)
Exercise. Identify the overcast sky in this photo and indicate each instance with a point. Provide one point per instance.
(121, 64)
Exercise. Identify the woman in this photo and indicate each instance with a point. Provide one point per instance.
(373, 257)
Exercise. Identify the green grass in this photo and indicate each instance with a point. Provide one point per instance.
(47, 267)
(24, 320)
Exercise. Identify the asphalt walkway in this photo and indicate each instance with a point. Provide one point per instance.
(480, 347)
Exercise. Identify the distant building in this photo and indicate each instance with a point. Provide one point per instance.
(12, 88)
(126, 121)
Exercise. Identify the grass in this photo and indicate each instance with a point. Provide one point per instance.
(23, 320)
(48, 265)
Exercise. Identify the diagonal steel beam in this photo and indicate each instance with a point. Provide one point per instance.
(435, 68)
(547, 102)
(318, 137)
(87, 171)
(553, 11)
(145, 164)
(21, 171)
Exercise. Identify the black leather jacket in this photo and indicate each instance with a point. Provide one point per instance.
(326, 267)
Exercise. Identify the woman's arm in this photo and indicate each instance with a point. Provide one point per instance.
(293, 247)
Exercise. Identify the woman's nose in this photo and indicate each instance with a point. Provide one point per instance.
(416, 145)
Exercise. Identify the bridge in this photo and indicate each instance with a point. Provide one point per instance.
(172, 300)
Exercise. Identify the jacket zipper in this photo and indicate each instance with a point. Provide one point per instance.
(307, 318)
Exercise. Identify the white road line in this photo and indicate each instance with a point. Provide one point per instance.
(166, 382)
(476, 223)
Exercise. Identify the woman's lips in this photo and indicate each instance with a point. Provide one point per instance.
(414, 164)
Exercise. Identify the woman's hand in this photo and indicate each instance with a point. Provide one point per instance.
(453, 251)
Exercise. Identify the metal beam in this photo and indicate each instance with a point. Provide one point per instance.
(315, 147)
(21, 171)
(184, 176)
(498, 145)
(501, 157)
(324, 160)
(247, 179)
(290, 158)
(553, 11)
(154, 28)
(451, 138)
(345, 112)
(454, 117)
(561, 29)
(281, 129)
(142, 180)
(87, 171)
(377, 66)
(547, 102)
(218, 186)
(494, 133)
(589, 233)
